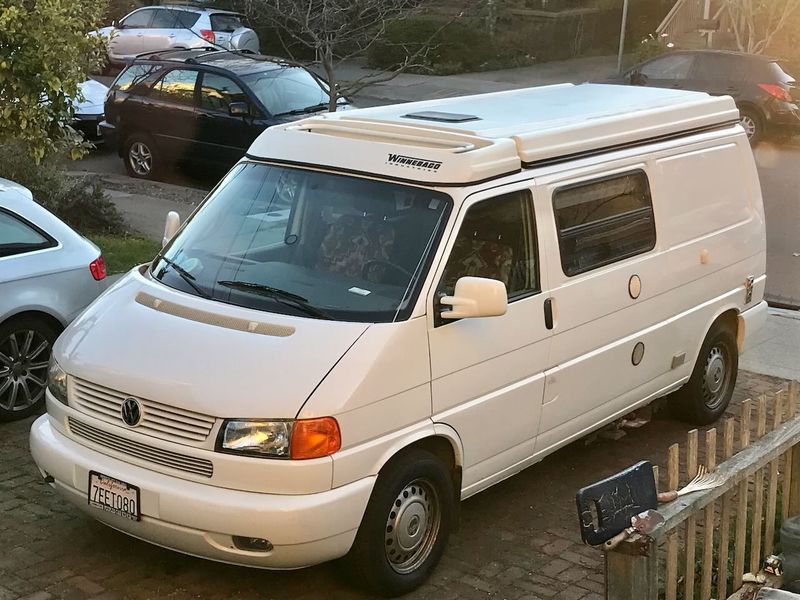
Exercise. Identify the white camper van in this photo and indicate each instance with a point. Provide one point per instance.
(380, 313)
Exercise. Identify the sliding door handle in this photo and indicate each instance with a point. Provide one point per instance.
(548, 313)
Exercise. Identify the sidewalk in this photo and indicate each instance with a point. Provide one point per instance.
(775, 351)
(408, 87)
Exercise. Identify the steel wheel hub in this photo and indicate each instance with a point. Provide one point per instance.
(715, 376)
(412, 526)
(23, 369)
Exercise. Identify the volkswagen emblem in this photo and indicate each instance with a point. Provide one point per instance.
(131, 412)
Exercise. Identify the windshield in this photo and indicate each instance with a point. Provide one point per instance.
(308, 243)
(287, 89)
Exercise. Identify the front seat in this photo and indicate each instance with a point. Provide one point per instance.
(353, 242)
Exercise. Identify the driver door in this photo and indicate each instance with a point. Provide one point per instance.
(488, 374)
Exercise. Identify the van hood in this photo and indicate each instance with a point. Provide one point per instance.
(149, 341)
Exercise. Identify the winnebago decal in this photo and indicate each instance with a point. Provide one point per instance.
(414, 163)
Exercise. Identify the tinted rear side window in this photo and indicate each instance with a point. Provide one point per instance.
(17, 237)
(163, 19)
(176, 86)
(186, 19)
(226, 23)
(133, 76)
(719, 67)
(603, 221)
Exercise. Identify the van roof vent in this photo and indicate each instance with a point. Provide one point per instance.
(441, 117)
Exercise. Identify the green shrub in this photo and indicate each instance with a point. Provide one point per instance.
(458, 47)
(80, 203)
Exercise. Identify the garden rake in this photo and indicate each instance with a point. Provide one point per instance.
(703, 481)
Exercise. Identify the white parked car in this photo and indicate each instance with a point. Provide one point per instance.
(48, 274)
(156, 28)
(89, 111)
(460, 288)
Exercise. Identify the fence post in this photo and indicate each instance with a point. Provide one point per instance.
(632, 571)
(794, 473)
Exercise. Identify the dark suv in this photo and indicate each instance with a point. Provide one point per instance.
(202, 106)
(765, 94)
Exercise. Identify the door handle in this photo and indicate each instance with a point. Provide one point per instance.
(548, 313)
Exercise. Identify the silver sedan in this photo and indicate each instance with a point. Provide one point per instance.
(48, 275)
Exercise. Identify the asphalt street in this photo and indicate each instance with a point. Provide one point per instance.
(780, 184)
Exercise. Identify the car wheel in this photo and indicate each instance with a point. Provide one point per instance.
(406, 525)
(25, 347)
(753, 124)
(708, 392)
(141, 157)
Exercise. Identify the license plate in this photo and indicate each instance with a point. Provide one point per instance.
(114, 496)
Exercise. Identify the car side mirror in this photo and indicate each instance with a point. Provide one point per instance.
(238, 109)
(114, 23)
(171, 227)
(476, 297)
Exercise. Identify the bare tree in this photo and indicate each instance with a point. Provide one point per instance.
(755, 23)
(338, 30)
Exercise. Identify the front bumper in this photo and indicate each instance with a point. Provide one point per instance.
(89, 126)
(110, 135)
(199, 519)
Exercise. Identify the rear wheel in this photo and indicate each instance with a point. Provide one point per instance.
(753, 124)
(142, 159)
(708, 392)
(25, 347)
(406, 525)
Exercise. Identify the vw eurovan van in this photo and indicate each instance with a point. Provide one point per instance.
(379, 313)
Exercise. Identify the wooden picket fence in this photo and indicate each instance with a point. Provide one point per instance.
(711, 538)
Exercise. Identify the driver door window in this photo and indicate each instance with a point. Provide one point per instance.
(138, 20)
(497, 240)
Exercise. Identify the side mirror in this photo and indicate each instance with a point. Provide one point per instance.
(476, 297)
(114, 23)
(171, 226)
(238, 109)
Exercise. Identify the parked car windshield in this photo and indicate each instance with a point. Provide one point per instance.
(287, 89)
(308, 243)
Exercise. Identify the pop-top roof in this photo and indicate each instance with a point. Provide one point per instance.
(475, 138)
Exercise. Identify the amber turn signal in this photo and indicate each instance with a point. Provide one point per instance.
(315, 438)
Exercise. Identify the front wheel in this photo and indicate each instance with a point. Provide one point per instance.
(406, 525)
(708, 392)
(25, 346)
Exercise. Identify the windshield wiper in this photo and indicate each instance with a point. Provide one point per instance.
(185, 275)
(307, 109)
(277, 294)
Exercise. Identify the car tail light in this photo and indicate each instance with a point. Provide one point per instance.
(98, 268)
(208, 35)
(776, 91)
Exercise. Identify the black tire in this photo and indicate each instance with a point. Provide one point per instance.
(704, 398)
(753, 123)
(414, 487)
(25, 347)
(141, 157)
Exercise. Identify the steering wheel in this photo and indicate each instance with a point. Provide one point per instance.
(373, 263)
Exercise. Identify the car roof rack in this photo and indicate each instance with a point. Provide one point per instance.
(510, 131)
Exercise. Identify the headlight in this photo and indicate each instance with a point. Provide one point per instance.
(57, 381)
(257, 438)
(300, 439)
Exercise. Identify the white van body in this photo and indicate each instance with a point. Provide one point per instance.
(485, 396)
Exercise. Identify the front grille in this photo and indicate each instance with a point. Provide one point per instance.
(165, 458)
(159, 420)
